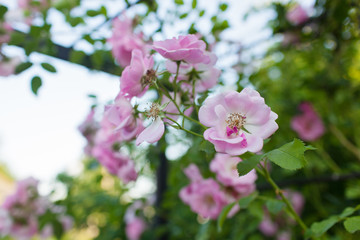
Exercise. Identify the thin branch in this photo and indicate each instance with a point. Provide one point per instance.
(314, 180)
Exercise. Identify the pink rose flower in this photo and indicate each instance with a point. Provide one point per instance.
(116, 163)
(297, 15)
(124, 40)
(203, 195)
(135, 228)
(121, 115)
(155, 130)
(308, 125)
(136, 78)
(239, 122)
(184, 48)
(226, 172)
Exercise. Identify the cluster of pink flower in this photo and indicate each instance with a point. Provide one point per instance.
(124, 40)
(276, 226)
(308, 125)
(237, 122)
(21, 213)
(207, 197)
(104, 139)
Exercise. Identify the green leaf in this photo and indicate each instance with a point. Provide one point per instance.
(245, 166)
(347, 212)
(319, 228)
(245, 201)
(223, 7)
(223, 215)
(207, 147)
(352, 224)
(193, 4)
(3, 10)
(35, 84)
(182, 16)
(22, 67)
(274, 206)
(201, 13)
(48, 67)
(103, 11)
(179, 2)
(93, 13)
(289, 156)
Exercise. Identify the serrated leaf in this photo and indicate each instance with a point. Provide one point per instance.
(274, 206)
(22, 67)
(48, 67)
(193, 4)
(35, 84)
(289, 156)
(245, 201)
(225, 211)
(246, 165)
(352, 224)
(319, 228)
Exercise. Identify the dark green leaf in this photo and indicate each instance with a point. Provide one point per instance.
(245, 201)
(289, 156)
(193, 4)
(35, 84)
(245, 166)
(352, 224)
(48, 67)
(223, 215)
(22, 67)
(274, 206)
(3, 10)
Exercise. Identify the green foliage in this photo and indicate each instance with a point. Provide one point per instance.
(36, 83)
(352, 224)
(248, 164)
(289, 156)
(48, 67)
(274, 206)
(223, 215)
(22, 67)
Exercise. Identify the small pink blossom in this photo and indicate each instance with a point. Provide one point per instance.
(184, 48)
(226, 171)
(155, 130)
(121, 115)
(203, 195)
(124, 40)
(267, 226)
(239, 122)
(135, 79)
(308, 125)
(135, 228)
(116, 163)
(297, 15)
(207, 76)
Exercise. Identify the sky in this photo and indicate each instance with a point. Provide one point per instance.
(38, 134)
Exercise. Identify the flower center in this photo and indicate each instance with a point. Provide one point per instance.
(154, 111)
(234, 121)
(148, 78)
